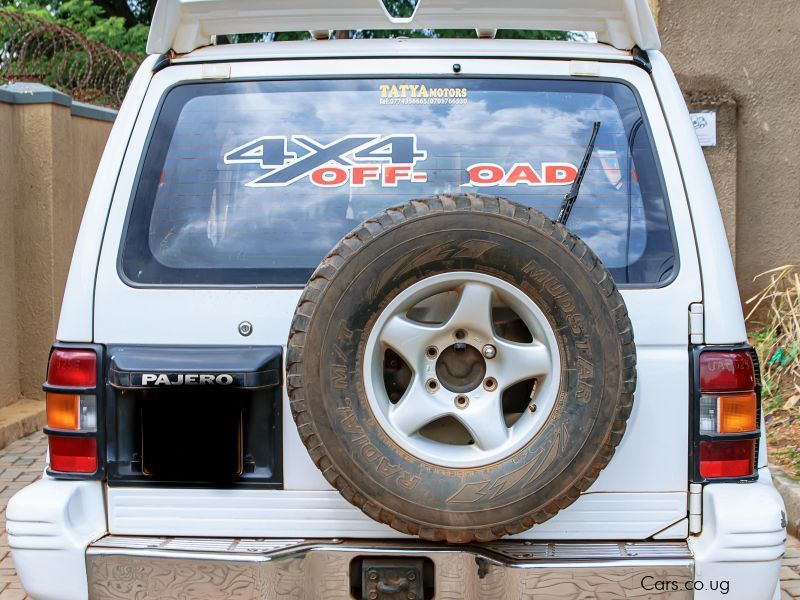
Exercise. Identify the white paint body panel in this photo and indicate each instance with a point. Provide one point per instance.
(75, 322)
(183, 25)
(50, 523)
(724, 322)
(306, 514)
(742, 540)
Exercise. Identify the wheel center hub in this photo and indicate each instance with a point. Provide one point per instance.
(460, 368)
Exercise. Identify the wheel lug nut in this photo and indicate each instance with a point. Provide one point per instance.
(432, 385)
(431, 351)
(490, 384)
(489, 351)
(462, 401)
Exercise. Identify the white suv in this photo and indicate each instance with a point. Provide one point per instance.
(342, 314)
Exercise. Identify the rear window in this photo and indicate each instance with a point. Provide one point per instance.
(252, 183)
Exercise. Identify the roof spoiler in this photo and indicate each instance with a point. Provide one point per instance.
(183, 25)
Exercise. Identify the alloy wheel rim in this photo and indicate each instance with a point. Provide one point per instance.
(438, 392)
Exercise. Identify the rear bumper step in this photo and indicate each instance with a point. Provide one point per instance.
(157, 567)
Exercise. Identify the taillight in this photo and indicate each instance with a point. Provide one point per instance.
(72, 368)
(727, 459)
(726, 371)
(72, 411)
(726, 408)
(73, 454)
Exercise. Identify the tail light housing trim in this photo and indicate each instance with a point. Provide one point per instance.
(717, 402)
(75, 411)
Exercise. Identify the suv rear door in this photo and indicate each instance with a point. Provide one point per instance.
(641, 493)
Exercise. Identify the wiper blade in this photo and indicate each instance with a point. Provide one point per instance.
(572, 194)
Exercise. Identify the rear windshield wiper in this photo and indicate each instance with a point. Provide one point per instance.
(572, 194)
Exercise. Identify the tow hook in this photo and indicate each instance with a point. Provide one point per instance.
(392, 579)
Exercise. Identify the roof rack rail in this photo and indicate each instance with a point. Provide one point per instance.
(183, 25)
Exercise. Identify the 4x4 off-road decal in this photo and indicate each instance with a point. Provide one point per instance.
(353, 159)
(521, 173)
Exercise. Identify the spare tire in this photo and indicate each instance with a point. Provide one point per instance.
(461, 367)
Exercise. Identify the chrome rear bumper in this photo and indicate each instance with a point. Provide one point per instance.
(210, 568)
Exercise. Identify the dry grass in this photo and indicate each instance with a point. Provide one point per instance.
(777, 341)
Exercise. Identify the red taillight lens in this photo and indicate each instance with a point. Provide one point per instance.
(727, 459)
(727, 371)
(73, 454)
(72, 368)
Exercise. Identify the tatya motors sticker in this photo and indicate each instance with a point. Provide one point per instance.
(419, 93)
(386, 160)
(353, 159)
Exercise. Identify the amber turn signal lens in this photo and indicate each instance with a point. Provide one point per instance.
(737, 413)
(62, 411)
(729, 413)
